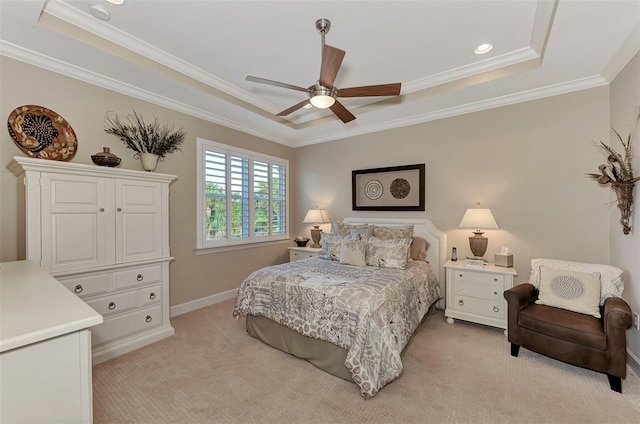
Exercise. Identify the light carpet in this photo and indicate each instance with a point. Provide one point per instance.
(211, 371)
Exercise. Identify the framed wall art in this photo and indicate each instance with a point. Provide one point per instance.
(395, 188)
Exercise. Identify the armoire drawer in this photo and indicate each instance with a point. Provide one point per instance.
(151, 294)
(126, 324)
(472, 305)
(136, 276)
(114, 303)
(87, 285)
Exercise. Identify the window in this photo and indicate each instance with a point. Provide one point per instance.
(242, 196)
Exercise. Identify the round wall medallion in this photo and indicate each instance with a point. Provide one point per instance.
(400, 188)
(41, 133)
(373, 189)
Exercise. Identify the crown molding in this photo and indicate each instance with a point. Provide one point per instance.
(627, 50)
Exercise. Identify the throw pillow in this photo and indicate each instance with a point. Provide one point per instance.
(392, 232)
(331, 246)
(611, 281)
(571, 290)
(342, 229)
(419, 247)
(387, 253)
(352, 251)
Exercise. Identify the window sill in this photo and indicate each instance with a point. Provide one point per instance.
(229, 248)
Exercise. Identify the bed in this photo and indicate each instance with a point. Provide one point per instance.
(349, 320)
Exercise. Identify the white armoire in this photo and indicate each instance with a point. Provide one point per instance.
(104, 234)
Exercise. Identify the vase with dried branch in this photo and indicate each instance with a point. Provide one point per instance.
(618, 172)
(151, 142)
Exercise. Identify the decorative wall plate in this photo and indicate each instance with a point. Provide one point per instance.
(41, 133)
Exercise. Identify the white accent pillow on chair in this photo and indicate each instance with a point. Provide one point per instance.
(610, 276)
(570, 290)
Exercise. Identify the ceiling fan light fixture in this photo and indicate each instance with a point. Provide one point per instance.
(322, 97)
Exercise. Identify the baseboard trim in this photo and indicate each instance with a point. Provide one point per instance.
(119, 347)
(183, 308)
(633, 362)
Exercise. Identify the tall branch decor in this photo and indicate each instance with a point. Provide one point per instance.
(618, 172)
(151, 141)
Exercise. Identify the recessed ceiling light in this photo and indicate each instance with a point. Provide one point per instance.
(483, 48)
(99, 12)
(118, 2)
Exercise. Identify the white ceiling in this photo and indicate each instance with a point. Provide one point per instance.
(193, 56)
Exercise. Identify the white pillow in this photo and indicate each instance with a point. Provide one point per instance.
(610, 276)
(571, 290)
(352, 251)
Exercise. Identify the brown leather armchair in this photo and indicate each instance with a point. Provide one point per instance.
(598, 344)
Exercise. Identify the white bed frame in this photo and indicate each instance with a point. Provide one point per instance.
(437, 253)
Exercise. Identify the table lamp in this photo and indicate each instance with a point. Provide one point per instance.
(478, 218)
(315, 217)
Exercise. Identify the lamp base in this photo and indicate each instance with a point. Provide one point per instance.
(478, 244)
(315, 236)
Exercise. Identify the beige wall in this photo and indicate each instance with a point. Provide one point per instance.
(625, 249)
(84, 106)
(527, 162)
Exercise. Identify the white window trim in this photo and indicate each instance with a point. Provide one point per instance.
(203, 246)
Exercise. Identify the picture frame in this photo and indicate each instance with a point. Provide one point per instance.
(395, 188)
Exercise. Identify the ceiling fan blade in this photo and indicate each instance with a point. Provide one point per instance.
(276, 83)
(371, 90)
(342, 112)
(331, 61)
(294, 108)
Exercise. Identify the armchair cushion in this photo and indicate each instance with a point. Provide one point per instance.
(571, 290)
(610, 276)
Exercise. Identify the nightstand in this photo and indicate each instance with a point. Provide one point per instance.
(297, 253)
(476, 294)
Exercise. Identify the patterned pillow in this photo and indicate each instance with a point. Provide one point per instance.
(387, 253)
(352, 251)
(331, 246)
(342, 229)
(611, 281)
(571, 290)
(394, 232)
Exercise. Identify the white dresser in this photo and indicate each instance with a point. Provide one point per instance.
(45, 348)
(104, 234)
(476, 294)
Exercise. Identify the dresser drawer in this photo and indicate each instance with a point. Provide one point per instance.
(483, 291)
(124, 325)
(473, 305)
(137, 276)
(462, 276)
(113, 303)
(151, 294)
(87, 285)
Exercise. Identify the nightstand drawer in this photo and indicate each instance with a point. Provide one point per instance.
(483, 291)
(298, 253)
(477, 306)
(462, 276)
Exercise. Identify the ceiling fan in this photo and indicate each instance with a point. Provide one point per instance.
(323, 94)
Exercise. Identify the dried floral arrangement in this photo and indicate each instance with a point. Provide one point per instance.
(142, 137)
(618, 171)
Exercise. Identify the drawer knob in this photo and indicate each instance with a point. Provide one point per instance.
(496, 309)
(112, 306)
(139, 277)
(119, 209)
(495, 279)
(78, 289)
(101, 209)
(461, 302)
(152, 295)
(495, 293)
(148, 318)
(460, 275)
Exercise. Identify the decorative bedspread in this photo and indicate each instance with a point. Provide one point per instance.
(369, 311)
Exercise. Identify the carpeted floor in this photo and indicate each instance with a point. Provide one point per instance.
(211, 371)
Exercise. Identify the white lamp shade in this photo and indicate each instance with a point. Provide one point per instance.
(315, 216)
(322, 101)
(478, 218)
